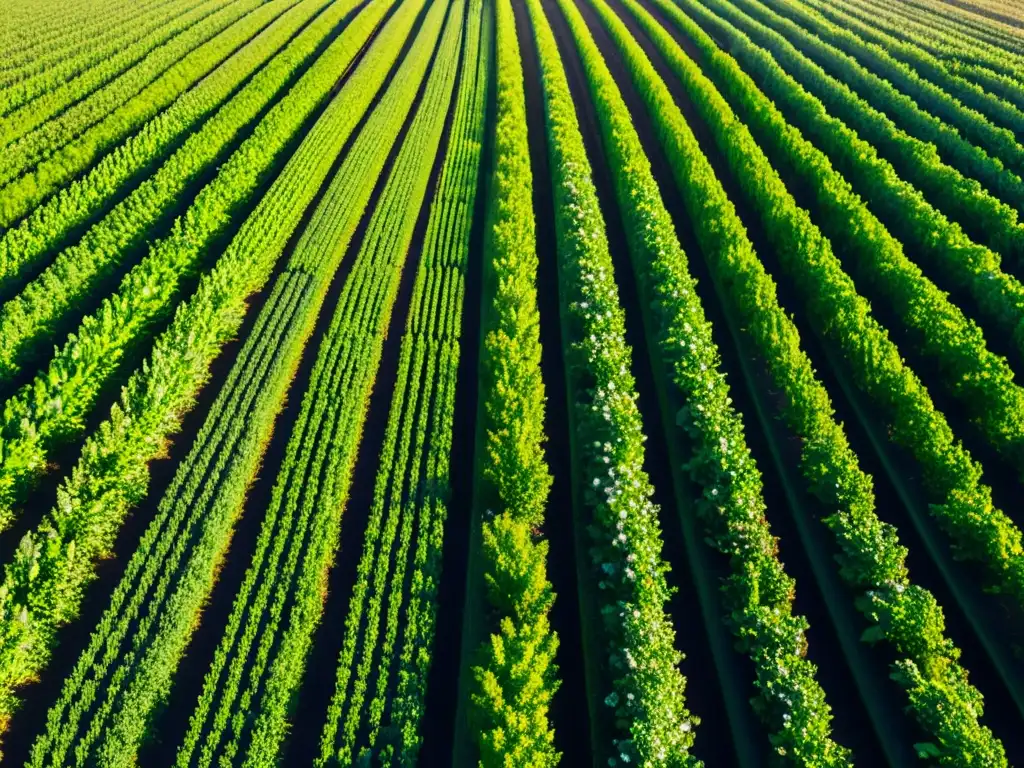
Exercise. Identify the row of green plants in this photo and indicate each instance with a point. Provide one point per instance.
(53, 407)
(401, 738)
(997, 141)
(33, 316)
(198, 512)
(300, 506)
(635, 637)
(982, 381)
(1004, 16)
(1000, 75)
(233, 25)
(1008, 88)
(402, 673)
(873, 561)
(969, 24)
(731, 504)
(411, 491)
(44, 585)
(51, 95)
(245, 703)
(29, 178)
(962, 198)
(971, 95)
(986, 66)
(514, 675)
(48, 226)
(1002, 53)
(65, 49)
(986, 217)
(878, 110)
(109, 700)
(979, 531)
(33, 41)
(407, 703)
(973, 26)
(389, 671)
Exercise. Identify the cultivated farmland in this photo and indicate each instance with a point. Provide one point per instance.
(512, 383)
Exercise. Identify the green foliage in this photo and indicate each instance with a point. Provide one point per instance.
(979, 531)
(872, 559)
(732, 508)
(516, 675)
(109, 699)
(48, 225)
(916, 60)
(30, 103)
(652, 725)
(137, 82)
(981, 381)
(54, 406)
(36, 44)
(162, 580)
(113, 110)
(961, 55)
(514, 399)
(517, 679)
(793, 702)
(243, 711)
(976, 126)
(385, 660)
(44, 162)
(932, 169)
(517, 584)
(44, 584)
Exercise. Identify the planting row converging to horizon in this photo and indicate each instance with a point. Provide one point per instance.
(511, 383)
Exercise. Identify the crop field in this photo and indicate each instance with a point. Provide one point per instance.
(511, 383)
